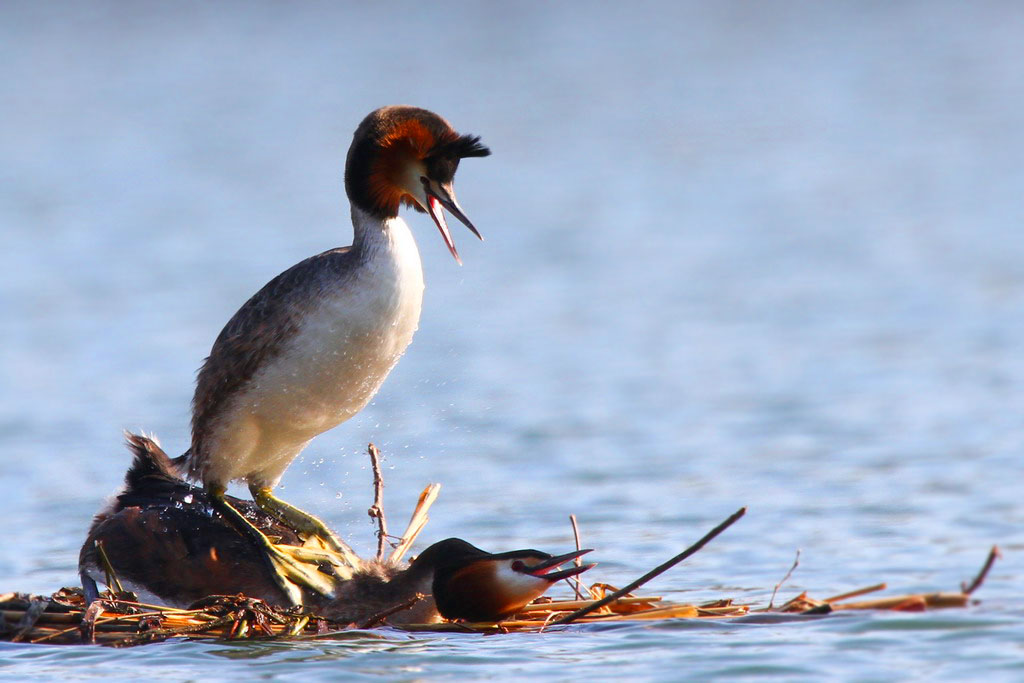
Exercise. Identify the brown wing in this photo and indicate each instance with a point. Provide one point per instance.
(256, 334)
(159, 534)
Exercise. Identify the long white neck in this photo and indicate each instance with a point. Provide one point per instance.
(372, 234)
(389, 287)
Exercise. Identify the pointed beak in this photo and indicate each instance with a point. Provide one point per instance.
(543, 570)
(440, 197)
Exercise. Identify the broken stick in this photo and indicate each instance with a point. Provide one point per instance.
(376, 511)
(660, 569)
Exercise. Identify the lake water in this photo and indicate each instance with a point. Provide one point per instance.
(763, 254)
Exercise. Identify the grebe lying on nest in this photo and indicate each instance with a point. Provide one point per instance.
(169, 543)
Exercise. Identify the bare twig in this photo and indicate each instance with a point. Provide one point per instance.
(796, 563)
(577, 584)
(376, 511)
(660, 569)
(28, 620)
(993, 555)
(418, 520)
(401, 607)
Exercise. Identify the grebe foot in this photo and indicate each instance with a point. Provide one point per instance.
(291, 570)
(305, 524)
(292, 573)
(301, 553)
(90, 592)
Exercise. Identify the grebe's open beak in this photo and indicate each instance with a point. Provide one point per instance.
(543, 569)
(441, 197)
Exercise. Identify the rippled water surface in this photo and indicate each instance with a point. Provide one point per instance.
(763, 254)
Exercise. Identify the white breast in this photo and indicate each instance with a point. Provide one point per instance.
(333, 365)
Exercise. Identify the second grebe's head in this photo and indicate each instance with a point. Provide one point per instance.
(475, 585)
(407, 155)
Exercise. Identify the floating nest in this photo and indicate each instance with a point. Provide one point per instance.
(118, 619)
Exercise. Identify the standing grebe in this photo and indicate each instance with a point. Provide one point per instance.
(163, 543)
(311, 348)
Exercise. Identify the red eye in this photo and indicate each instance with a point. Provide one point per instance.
(518, 566)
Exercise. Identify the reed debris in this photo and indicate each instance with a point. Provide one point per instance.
(118, 619)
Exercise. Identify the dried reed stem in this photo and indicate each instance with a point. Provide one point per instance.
(660, 569)
(566, 605)
(857, 593)
(577, 584)
(934, 600)
(108, 568)
(419, 519)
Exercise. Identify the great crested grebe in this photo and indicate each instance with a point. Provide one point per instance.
(166, 541)
(311, 348)
(475, 585)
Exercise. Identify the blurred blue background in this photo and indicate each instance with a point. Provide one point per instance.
(762, 254)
